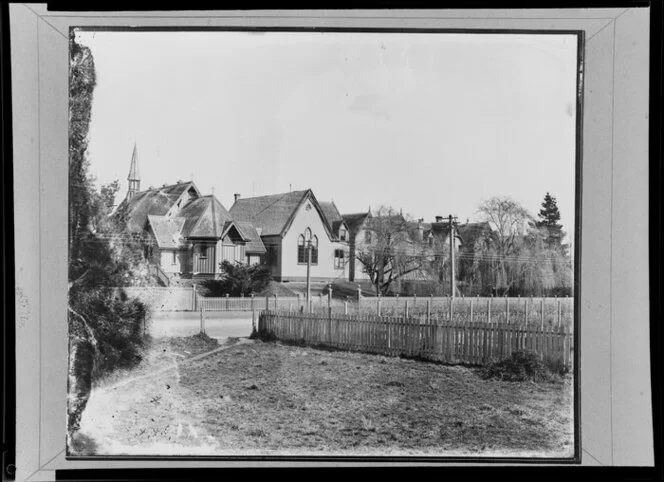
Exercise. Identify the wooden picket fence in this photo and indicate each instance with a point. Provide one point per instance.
(432, 337)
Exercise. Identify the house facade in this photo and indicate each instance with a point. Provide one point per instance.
(288, 224)
(190, 234)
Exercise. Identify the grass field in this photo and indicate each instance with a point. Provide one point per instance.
(268, 398)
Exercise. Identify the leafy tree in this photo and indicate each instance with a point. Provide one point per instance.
(238, 279)
(105, 327)
(393, 251)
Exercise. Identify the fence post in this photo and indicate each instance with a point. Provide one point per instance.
(252, 302)
(299, 303)
(329, 313)
(405, 313)
(194, 298)
(202, 320)
(428, 312)
(488, 310)
(378, 305)
(471, 310)
(345, 307)
(359, 297)
(558, 313)
(227, 301)
(267, 303)
(526, 308)
(507, 304)
(451, 309)
(275, 302)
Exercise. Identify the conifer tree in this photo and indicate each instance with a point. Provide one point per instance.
(549, 220)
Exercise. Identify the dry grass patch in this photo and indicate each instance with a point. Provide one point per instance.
(272, 397)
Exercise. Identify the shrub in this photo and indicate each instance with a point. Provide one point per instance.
(524, 365)
(117, 324)
(237, 279)
(263, 335)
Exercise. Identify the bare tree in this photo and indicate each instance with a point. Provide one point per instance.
(394, 249)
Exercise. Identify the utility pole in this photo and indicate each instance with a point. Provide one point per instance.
(452, 270)
(308, 275)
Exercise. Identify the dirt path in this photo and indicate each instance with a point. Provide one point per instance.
(155, 392)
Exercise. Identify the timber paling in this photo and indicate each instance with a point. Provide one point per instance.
(431, 338)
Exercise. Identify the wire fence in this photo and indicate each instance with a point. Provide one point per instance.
(531, 311)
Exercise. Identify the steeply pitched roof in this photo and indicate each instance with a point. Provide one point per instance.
(133, 168)
(167, 231)
(331, 212)
(273, 214)
(255, 244)
(205, 217)
(355, 220)
(155, 202)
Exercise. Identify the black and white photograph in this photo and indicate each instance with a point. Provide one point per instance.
(297, 242)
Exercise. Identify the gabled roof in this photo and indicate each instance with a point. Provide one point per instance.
(331, 212)
(333, 216)
(468, 233)
(255, 244)
(167, 231)
(274, 214)
(205, 217)
(355, 220)
(157, 202)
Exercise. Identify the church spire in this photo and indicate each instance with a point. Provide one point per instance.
(133, 177)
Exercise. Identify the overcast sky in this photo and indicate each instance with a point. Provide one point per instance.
(428, 123)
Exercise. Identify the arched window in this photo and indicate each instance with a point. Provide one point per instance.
(307, 234)
(314, 250)
(301, 250)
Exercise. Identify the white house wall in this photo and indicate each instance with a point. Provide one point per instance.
(324, 270)
(167, 264)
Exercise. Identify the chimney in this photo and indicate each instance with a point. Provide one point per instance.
(236, 196)
(420, 229)
(439, 219)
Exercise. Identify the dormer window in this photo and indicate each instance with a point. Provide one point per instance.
(343, 234)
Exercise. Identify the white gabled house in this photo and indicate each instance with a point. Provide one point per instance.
(287, 222)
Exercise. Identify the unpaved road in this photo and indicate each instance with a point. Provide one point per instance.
(218, 325)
